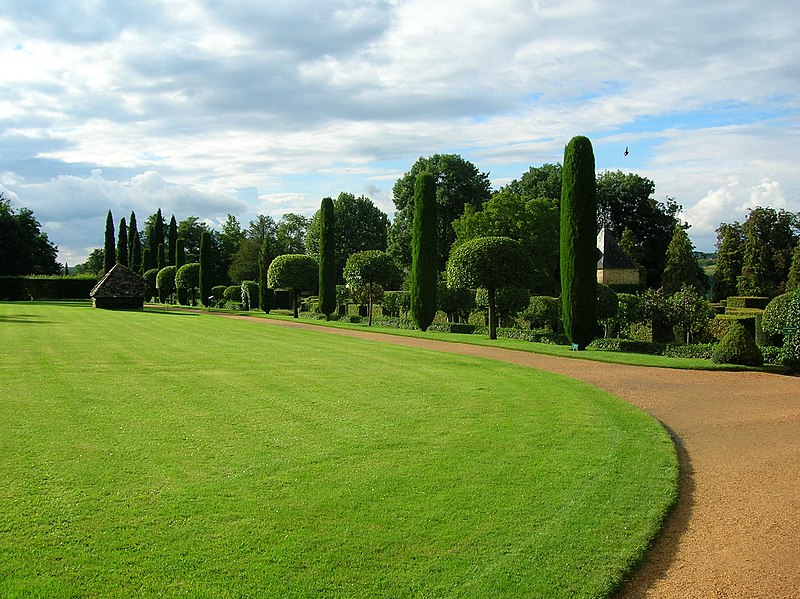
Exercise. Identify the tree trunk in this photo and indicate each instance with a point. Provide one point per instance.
(492, 315)
(369, 292)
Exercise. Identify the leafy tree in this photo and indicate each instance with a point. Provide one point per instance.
(244, 266)
(682, 267)
(109, 249)
(265, 294)
(165, 283)
(457, 303)
(730, 244)
(297, 272)
(793, 280)
(155, 233)
(690, 311)
(508, 301)
(24, 248)
(134, 244)
(543, 312)
(229, 241)
(539, 182)
(458, 182)
(93, 264)
(625, 201)
(769, 240)
(172, 238)
(359, 225)
(532, 222)
(148, 260)
(191, 229)
(424, 253)
(122, 243)
(327, 258)
(607, 306)
(371, 268)
(206, 269)
(187, 280)
(579, 243)
(291, 234)
(490, 263)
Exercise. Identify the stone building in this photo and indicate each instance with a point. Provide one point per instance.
(119, 289)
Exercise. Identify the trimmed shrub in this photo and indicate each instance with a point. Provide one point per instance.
(150, 283)
(734, 302)
(690, 350)
(249, 295)
(628, 346)
(773, 355)
(791, 341)
(737, 347)
(327, 259)
(233, 293)
(424, 252)
(187, 279)
(774, 319)
(396, 303)
(165, 283)
(543, 312)
(206, 268)
(218, 291)
(509, 301)
(46, 287)
(462, 328)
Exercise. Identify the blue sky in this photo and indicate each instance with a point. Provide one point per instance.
(209, 108)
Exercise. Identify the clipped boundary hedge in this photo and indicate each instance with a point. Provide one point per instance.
(46, 288)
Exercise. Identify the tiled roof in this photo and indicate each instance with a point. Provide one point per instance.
(120, 281)
(612, 254)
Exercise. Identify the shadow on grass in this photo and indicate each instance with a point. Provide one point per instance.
(664, 550)
(169, 312)
(25, 319)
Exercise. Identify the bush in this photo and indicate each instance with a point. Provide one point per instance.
(187, 278)
(689, 350)
(774, 318)
(233, 293)
(249, 295)
(773, 355)
(457, 302)
(150, 283)
(396, 303)
(628, 346)
(543, 312)
(746, 302)
(791, 342)
(165, 283)
(459, 327)
(737, 347)
(509, 301)
(218, 291)
(46, 287)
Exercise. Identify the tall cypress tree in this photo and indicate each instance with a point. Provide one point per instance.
(172, 238)
(155, 235)
(327, 259)
(579, 242)
(424, 251)
(135, 255)
(265, 294)
(109, 249)
(133, 232)
(162, 258)
(180, 260)
(122, 243)
(206, 267)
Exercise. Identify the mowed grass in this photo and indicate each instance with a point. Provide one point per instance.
(161, 454)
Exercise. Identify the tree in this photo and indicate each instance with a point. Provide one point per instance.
(359, 225)
(730, 244)
(165, 283)
(458, 182)
(579, 243)
(297, 272)
(187, 280)
(229, 241)
(508, 302)
(134, 244)
(291, 234)
(191, 229)
(244, 266)
(682, 267)
(172, 238)
(265, 294)
(538, 182)
(327, 258)
(793, 280)
(769, 240)
(624, 201)
(370, 268)
(93, 264)
(424, 252)
(607, 306)
(532, 222)
(205, 281)
(24, 248)
(122, 243)
(490, 263)
(690, 311)
(109, 251)
(155, 232)
(161, 261)
(180, 261)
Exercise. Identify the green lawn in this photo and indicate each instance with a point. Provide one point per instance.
(180, 455)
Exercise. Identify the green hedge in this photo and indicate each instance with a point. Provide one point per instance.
(746, 302)
(750, 320)
(46, 287)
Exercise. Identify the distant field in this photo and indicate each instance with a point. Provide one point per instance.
(161, 454)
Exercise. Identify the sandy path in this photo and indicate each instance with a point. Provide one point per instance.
(736, 529)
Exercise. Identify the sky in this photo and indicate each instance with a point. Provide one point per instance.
(208, 108)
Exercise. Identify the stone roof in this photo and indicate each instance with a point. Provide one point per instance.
(612, 255)
(120, 281)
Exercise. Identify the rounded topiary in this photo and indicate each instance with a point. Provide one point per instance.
(509, 301)
(250, 295)
(737, 347)
(150, 283)
(165, 283)
(543, 312)
(218, 291)
(791, 341)
(233, 293)
(774, 317)
(424, 252)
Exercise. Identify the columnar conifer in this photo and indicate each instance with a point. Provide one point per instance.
(180, 260)
(265, 294)
(206, 268)
(162, 258)
(327, 259)
(172, 238)
(109, 249)
(579, 242)
(122, 243)
(424, 252)
(133, 232)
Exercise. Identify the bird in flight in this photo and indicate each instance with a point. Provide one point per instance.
(625, 153)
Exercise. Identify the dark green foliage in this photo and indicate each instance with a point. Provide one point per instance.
(265, 294)
(218, 291)
(738, 302)
(297, 272)
(730, 244)
(180, 260)
(396, 303)
(690, 311)
(134, 245)
(42, 287)
(206, 268)
(250, 295)
(458, 182)
(543, 312)
(791, 338)
(490, 263)
(579, 243)
(456, 302)
(187, 280)
(737, 347)
(607, 305)
(793, 280)
(424, 252)
(769, 240)
(148, 260)
(150, 283)
(538, 182)
(509, 301)
(774, 317)
(161, 261)
(327, 258)
(155, 233)
(682, 267)
(122, 243)
(172, 238)
(165, 283)
(371, 268)
(109, 249)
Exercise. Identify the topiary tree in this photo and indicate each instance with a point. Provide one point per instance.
(794, 270)
(187, 280)
(791, 337)
(509, 301)
(217, 291)
(579, 243)
(162, 257)
(172, 240)
(396, 303)
(774, 317)
(250, 295)
(297, 272)
(490, 263)
(150, 283)
(206, 269)
(370, 268)
(424, 252)
(327, 260)
(122, 243)
(737, 347)
(543, 312)
(180, 260)
(165, 283)
(109, 249)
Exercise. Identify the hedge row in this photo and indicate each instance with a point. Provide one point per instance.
(46, 288)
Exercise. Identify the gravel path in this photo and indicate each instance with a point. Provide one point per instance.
(736, 529)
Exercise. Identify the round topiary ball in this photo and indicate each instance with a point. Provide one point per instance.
(737, 347)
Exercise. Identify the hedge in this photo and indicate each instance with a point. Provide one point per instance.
(750, 320)
(746, 302)
(46, 287)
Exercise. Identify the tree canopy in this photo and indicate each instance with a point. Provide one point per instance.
(297, 272)
(682, 267)
(24, 248)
